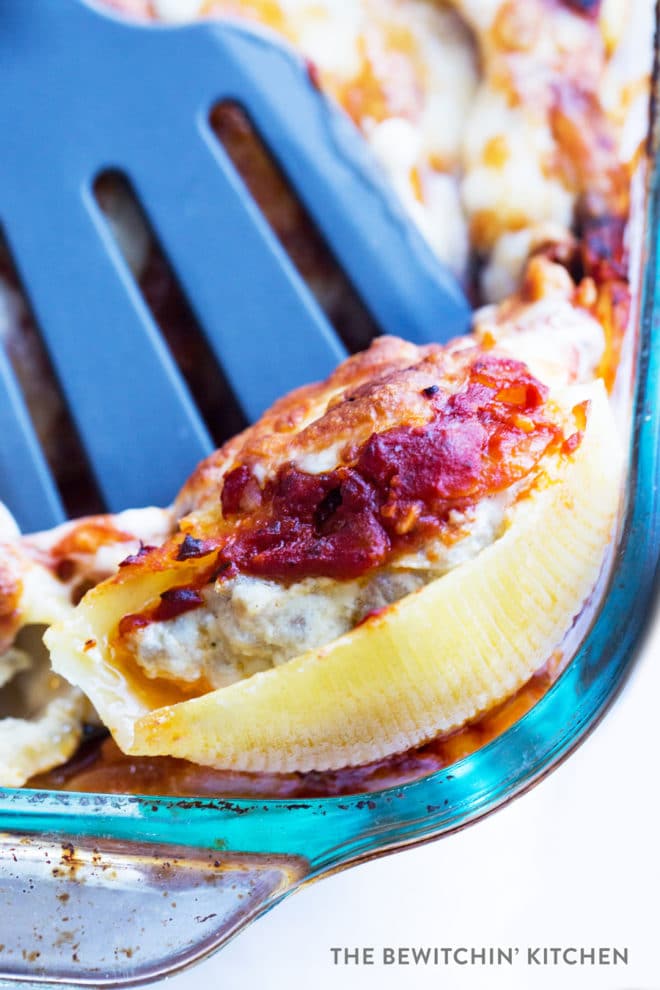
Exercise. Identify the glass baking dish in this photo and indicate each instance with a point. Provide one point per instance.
(193, 872)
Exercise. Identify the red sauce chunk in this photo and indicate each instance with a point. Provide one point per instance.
(399, 489)
(172, 603)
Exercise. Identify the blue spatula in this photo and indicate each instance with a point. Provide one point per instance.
(81, 92)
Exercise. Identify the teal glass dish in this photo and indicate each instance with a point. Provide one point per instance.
(225, 862)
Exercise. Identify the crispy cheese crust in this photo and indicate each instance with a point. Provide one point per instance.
(346, 475)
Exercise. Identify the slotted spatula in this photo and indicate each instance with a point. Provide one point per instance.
(81, 92)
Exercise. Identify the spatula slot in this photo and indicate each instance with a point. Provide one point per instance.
(41, 392)
(168, 304)
(291, 222)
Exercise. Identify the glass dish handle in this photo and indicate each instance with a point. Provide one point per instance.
(110, 912)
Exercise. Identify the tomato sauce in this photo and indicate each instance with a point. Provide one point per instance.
(398, 489)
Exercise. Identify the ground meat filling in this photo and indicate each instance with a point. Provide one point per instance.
(305, 557)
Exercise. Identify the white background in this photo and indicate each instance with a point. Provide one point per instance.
(576, 862)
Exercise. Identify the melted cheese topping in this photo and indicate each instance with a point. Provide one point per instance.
(491, 136)
(559, 340)
(405, 72)
(470, 135)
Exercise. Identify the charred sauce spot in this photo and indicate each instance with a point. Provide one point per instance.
(327, 507)
(225, 570)
(135, 557)
(190, 547)
(65, 569)
(176, 601)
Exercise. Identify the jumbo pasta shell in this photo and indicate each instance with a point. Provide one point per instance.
(423, 666)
